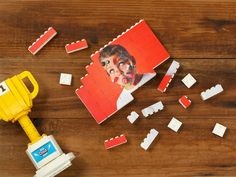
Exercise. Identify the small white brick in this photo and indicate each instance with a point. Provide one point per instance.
(65, 79)
(132, 117)
(152, 109)
(174, 124)
(213, 91)
(189, 80)
(149, 139)
(219, 130)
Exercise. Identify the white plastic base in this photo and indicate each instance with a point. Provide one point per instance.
(48, 157)
(56, 166)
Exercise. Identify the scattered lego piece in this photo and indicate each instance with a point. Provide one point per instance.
(185, 101)
(149, 139)
(189, 80)
(152, 109)
(132, 117)
(76, 46)
(113, 142)
(124, 99)
(219, 130)
(212, 92)
(174, 124)
(42, 40)
(168, 76)
(65, 79)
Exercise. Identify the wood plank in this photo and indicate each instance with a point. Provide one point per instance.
(188, 29)
(56, 101)
(199, 34)
(194, 151)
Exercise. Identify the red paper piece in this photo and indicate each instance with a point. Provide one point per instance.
(184, 101)
(113, 142)
(165, 82)
(76, 46)
(42, 41)
(110, 83)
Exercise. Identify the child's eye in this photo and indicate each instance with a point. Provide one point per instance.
(121, 64)
(104, 63)
(111, 71)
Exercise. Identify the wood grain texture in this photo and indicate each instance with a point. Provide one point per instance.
(201, 35)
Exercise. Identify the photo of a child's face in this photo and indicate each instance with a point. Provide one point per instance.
(120, 66)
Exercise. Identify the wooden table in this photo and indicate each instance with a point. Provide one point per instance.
(201, 35)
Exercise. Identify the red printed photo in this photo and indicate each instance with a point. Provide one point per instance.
(120, 68)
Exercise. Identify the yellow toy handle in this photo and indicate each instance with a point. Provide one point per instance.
(25, 121)
(25, 74)
(29, 129)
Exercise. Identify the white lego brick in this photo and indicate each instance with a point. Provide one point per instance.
(149, 139)
(219, 130)
(132, 117)
(152, 109)
(212, 92)
(147, 111)
(189, 80)
(168, 76)
(173, 68)
(174, 124)
(65, 79)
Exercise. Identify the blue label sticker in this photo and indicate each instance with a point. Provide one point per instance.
(43, 152)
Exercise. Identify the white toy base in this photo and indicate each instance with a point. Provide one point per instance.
(56, 166)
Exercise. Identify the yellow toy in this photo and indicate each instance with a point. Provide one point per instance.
(15, 104)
